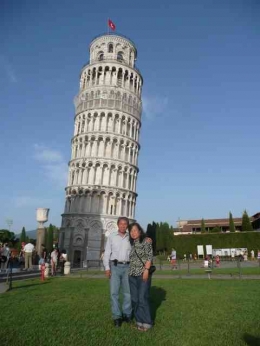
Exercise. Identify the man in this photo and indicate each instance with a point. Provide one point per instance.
(28, 250)
(116, 263)
(5, 254)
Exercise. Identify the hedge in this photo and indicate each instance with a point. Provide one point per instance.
(186, 244)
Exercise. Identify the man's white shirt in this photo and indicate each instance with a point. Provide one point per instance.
(29, 247)
(117, 247)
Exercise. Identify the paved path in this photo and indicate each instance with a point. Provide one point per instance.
(171, 277)
(27, 276)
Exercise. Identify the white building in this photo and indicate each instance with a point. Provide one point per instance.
(104, 162)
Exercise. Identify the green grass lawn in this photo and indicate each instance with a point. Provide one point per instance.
(64, 311)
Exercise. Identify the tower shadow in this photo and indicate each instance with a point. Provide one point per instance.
(158, 295)
(251, 340)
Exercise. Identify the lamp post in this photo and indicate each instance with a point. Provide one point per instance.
(9, 223)
(41, 217)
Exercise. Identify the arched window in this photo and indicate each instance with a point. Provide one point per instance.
(110, 48)
(101, 56)
(120, 56)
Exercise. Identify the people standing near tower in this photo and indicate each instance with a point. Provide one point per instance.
(28, 252)
(116, 263)
(141, 257)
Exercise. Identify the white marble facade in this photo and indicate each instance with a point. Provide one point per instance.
(104, 158)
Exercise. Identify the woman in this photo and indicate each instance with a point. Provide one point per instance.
(63, 259)
(141, 256)
(54, 260)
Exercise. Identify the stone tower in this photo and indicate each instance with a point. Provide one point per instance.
(104, 161)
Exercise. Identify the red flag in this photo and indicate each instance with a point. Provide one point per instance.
(111, 25)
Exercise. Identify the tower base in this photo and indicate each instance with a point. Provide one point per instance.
(83, 236)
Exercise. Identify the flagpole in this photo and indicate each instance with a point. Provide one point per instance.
(108, 26)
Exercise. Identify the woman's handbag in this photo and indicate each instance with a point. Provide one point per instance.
(151, 270)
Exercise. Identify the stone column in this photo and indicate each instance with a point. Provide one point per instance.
(40, 240)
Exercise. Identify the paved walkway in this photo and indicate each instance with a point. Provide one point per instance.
(171, 277)
(4, 287)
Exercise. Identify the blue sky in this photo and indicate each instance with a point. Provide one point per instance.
(200, 130)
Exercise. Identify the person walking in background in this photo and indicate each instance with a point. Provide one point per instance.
(43, 253)
(21, 256)
(54, 260)
(217, 261)
(5, 255)
(252, 255)
(258, 255)
(206, 262)
(28, 251)
(173, 259)
(63, 259)
(1, 259)
(141, 257)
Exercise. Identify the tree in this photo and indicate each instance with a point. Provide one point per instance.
(202, 227)
(151, 233)
(232, 227)
(49, 242)
(159, 238)
(164, 237)
(56, 231)
(216, 229)
(23, 236)
(7, 236)
(246, 223)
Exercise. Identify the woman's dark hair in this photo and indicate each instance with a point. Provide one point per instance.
(142, 234)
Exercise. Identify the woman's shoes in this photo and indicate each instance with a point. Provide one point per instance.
(142, 329)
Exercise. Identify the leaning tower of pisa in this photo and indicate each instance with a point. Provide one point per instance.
(104, 160)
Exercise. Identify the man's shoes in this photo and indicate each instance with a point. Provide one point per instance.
(118, 322)
(127, 319)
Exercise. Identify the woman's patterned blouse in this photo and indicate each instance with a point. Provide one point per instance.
(145, 252)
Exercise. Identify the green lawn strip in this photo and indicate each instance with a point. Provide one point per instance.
(75, 311)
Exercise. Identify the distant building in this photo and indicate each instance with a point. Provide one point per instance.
(194, 226)
(256, 222)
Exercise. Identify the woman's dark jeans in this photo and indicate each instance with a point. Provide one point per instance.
(140, 295)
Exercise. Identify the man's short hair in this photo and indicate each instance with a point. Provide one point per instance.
(123, 218)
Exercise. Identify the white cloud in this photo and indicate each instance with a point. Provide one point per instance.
(47, 155)
(58, 172)
(154, 106)
(52, 163)
(8, 68)
(27, 201)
